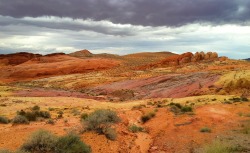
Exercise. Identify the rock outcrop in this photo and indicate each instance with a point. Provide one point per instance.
(188, 57)
(17, 58)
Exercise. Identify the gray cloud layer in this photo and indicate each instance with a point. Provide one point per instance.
(136, 12)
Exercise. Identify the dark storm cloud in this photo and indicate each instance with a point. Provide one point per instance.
(106, 28)
(137, 12)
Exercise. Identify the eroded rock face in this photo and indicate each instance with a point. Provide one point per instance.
(178, 59)
(188, 57)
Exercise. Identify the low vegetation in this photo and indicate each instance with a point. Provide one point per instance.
(217, 147)
(84, 116)
(34, 113)
(134, 128)
(205, 130)
(71, 143)
(147, 117)
(60, 114)
(50, 121)
(19, 119)
(4, 120)
(45, 142)
(177, 108)
(101, 122)
(222, 147)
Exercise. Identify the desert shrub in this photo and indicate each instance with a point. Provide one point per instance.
(51, 109)
(5, 151)
(100, 119)
(50, 121)
(34, 114)
(217, 147)
(21, 112)
(8, 151)
(60, 112)
(40, 141)
(19, 119)
(4, 120)
(147, 117)
(136, 107)
(235, 99)
(44, 114)
(175, 109)
(134, 128)
(84, 116)
(178, 108)
(205, 130)
(244, 99)
(71, 143)
(238, 148)
(186, 109)
(110, 133)
(176, 104)
(36, 108)
(150, 103)
(31, 116)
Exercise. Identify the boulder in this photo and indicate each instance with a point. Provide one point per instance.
(213, 55)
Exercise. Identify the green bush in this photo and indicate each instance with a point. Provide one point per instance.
(43, 141)
(36, 108)
(19, 119)
(186, 109)
(34, 114)
(50, 121)
(71, 143)
(44, 114)
(40, 141)
(84, 116)
(147, 117)
(101, 118)
(110, 133)
(244, 99)
(21, 112)
(4, 120)
(134, 128)
(176, 104)
(31, 116)
(205, 130)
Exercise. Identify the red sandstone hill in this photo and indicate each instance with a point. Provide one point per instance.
(81, 54)
(17, 58)
(53, 65)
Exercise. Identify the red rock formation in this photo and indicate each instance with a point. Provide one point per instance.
(17, 58)
(177, 59)
(182, 59)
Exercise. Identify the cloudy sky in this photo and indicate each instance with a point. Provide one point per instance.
(126, 26)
